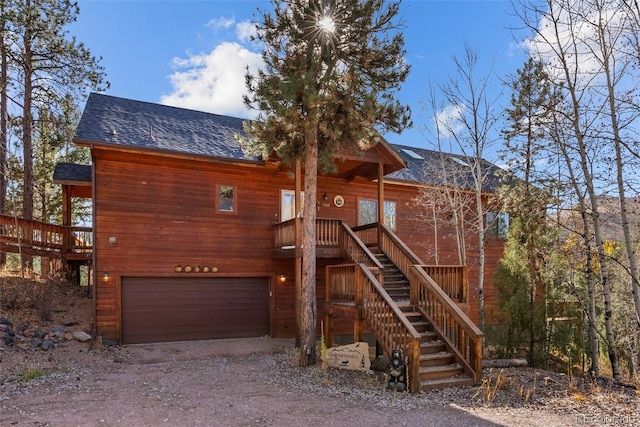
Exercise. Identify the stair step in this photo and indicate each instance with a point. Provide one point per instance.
(431, 347)
(438, 372)
(428, 336)
(437, 359)
(421, 326)
(457, 381)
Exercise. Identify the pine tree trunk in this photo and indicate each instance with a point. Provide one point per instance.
(3, 121)
(27, 123)
(308, 291)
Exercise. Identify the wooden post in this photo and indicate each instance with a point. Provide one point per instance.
(414, 367)
(66, 221)
(329, 332)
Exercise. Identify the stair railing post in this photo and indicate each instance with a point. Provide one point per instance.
(414, 366)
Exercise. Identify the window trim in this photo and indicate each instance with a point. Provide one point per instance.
(492, 224)
(234, 200)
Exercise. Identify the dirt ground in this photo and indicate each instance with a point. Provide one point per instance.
(252, 382)
(210, 383)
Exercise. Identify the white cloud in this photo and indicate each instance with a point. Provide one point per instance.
(214, 81)
(221, 23)
(577, 38)
(244, 31)
(449, 120)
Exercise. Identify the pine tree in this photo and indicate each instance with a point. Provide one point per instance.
(331, 70)
(51, 67)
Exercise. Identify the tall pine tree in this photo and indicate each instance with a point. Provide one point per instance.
(331, 70)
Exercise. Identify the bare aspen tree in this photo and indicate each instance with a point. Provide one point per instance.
(577, 41)
(470, 133)
(446, 204)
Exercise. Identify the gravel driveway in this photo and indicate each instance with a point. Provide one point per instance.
(229, 383)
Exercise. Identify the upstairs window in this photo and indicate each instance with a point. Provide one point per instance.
(497, 224)
(226, 199)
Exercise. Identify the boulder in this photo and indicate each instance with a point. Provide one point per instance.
(81, 336)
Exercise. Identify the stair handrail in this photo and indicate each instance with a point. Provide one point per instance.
(355, 250)
(396, 250)
(389, 324)
(459, 333)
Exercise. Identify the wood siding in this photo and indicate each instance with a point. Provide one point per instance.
(156, 214)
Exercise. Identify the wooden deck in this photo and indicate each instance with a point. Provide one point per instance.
(29, 237)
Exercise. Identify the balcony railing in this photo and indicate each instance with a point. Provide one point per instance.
(44, 239)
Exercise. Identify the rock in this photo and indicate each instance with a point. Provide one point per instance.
(68, 336)
(352, 356)
(81, 336)
(46, 345)
(5, 321)
(57, 329)
(108, 343)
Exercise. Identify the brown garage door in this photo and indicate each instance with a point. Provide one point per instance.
(158, 309)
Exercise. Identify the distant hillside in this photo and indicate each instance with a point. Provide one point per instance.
(610, 218)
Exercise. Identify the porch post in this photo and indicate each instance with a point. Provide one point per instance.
(298, 245)
(66, 220)
(380, 200)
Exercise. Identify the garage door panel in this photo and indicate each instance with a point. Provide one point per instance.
(177, 309)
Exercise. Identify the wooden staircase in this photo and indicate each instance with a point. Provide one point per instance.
(438, 367)
(385, 286)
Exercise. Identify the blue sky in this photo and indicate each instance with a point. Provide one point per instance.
(192, 54)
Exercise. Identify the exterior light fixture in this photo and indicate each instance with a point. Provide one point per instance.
(283, 278)
(105, 276)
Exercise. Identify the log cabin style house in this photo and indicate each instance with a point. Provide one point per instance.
(193, 240)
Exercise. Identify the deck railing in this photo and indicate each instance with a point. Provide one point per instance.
(285, 233)
(31, 235)
(452, 279)
(461, 336)
(41, 238)
(327, 232)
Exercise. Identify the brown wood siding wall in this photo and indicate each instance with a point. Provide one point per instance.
(162, 213)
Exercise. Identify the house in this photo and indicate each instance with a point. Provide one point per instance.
(193, 240)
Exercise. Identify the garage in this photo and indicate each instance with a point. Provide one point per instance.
(160, 309)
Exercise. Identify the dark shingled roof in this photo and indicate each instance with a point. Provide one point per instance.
(72, 172)
(428, 167)
(109, 120)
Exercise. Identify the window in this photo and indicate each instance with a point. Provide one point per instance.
(288, 205)
(368, 212)
(497, 224)
(226, 199)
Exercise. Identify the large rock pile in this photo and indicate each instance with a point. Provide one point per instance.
(25, 337)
